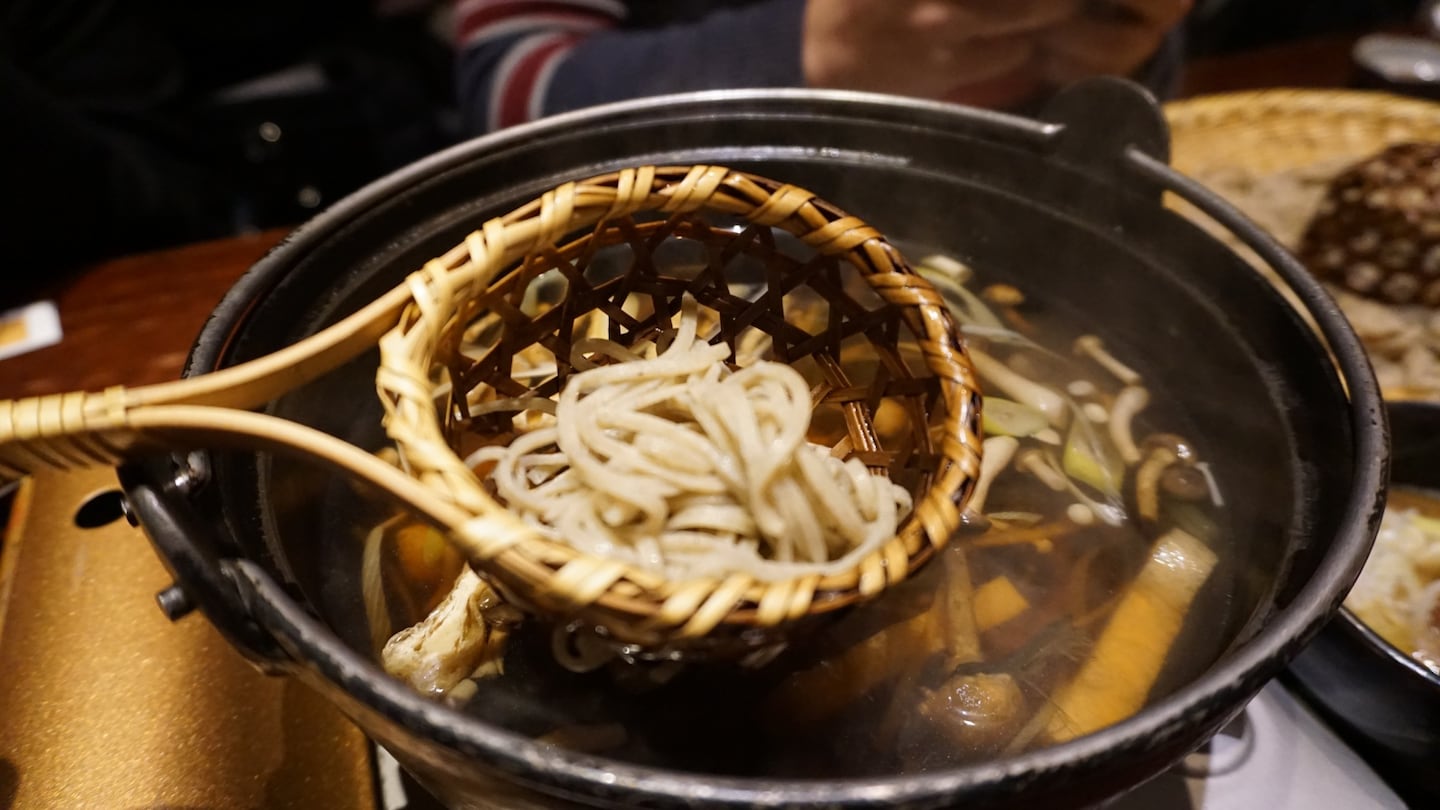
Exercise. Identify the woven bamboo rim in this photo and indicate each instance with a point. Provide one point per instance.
(633, 605)
(418, 327)
(1281, 129)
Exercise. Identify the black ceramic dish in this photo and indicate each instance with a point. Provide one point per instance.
(1380, 699)
(1070, 210)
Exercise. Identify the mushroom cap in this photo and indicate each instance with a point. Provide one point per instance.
(1377, 230)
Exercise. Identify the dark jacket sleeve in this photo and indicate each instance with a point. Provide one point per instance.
(527, 58)
(753, 46)
(538, 58)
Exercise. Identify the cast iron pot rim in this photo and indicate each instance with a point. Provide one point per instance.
(1211, 697)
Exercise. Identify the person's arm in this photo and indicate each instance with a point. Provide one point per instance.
(521, 59)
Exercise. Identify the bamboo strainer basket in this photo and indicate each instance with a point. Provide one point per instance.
(648, 234)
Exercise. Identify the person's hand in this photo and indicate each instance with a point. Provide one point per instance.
(1113, 37)
(982, 51)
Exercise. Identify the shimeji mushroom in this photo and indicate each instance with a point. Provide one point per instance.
(1095, 412)
(1080, 514)
(1163, 457)
(994, 458)
(463, 637)
(953, 269)
(1008, 299)
(1128, 403)
(978, 711)
(1034, 462)
(1092, 347)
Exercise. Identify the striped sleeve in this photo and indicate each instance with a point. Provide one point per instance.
(561, 56)
(508, 51)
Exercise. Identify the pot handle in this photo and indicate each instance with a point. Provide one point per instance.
(182, 542)
(1102, 120)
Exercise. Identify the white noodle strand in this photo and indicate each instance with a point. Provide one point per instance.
(666, 458)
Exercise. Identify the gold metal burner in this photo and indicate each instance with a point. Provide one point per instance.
(106, 704)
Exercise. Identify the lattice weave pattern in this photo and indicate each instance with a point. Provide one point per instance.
(426, 381)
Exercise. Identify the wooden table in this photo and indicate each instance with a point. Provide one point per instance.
(1318, 62)
(131, 321)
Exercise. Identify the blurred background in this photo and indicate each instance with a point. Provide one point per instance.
(1226, 26)
(143, 124)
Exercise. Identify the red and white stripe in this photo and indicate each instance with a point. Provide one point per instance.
(479, 20)
(517, 93)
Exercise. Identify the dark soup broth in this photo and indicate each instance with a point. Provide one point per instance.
(1067, 603)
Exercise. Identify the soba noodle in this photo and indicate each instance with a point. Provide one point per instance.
(670, 460)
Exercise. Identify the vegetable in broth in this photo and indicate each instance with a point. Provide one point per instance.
(1090, 540)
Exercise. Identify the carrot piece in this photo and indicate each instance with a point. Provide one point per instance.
(996, 602)
(1114, 683)
(944, 627)
(812, 695)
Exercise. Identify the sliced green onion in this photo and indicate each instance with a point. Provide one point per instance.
(1006, 417)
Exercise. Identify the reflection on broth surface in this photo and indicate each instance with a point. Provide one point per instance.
(1062, 607)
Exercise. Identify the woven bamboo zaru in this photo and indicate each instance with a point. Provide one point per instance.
(432, 368)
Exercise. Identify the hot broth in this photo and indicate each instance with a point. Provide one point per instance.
(1069, 601)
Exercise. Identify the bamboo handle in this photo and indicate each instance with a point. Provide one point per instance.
(416, 328)
(77, 429)
(67, 431)
(410, 323)
(63, 431)
(265, 378)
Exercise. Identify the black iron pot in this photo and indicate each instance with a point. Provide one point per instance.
(1069, 209)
